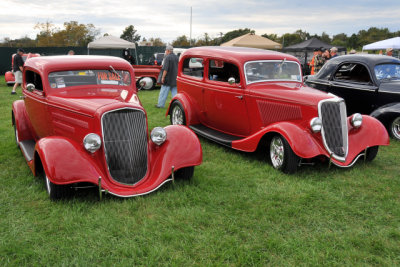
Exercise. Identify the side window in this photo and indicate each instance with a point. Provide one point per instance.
(353, 72)
(33, 77)
(221, 71)
(193, 67)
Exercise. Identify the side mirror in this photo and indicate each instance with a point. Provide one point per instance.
(30, 87)
(231, 80)
(145, 83)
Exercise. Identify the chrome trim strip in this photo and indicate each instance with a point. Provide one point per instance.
(104, 148)
(345, 131)
(352, 163)
(141, 194)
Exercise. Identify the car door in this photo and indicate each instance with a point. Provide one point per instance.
(352, 81)
(224, 104)
(36, 104)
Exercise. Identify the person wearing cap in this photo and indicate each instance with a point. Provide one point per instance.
(334, 52)
(168, 79)
(17, 69)
(318, 60)
(326, 55)
(389, 52)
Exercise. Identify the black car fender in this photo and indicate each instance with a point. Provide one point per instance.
(387, 113)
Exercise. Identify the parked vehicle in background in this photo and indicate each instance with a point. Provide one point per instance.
(81, 123)
(369, 84)
(156, 59)
(9, 75)
(244, 98)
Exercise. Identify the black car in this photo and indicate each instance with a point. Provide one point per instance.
(369, 84)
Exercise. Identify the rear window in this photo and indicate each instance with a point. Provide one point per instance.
(62, 79)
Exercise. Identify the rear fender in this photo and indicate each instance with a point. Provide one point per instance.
(20, 119)
(190, 111)
(303, 142)
(66, 162)
(387, 113)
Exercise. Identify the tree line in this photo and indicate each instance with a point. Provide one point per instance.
(74, 33)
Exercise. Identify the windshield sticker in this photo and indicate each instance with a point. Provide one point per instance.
(107, 76)
(60, 82)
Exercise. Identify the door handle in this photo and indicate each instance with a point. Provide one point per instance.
(239, 96)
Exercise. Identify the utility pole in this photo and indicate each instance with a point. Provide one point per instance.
(190, 38)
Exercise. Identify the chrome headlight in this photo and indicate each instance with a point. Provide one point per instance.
(158, 135)
(356, 120)
(92, 142)
(316, 124)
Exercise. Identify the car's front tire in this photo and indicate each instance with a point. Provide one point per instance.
(56, 191)
(371, 153)
(185, 173)
(177, 115)
(395, 128)
(282, 156)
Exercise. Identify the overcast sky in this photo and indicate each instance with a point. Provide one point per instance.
(171, 18)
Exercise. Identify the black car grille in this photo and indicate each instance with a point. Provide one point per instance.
(334, 127)
(125, 144)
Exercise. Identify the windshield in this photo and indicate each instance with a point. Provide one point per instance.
(62, 79)
(387, 72)
(272, 70)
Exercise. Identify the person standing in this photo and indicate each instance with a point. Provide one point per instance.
(17, 69)
(318, 61)
(334, 51)
(389, 52)
(169, 72)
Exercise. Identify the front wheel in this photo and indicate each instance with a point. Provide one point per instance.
(56, 191)
(185, 173)
(177, 115)
(395, 128)
(371, 153)
(282, 156)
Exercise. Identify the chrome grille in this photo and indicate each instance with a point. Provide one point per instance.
(334, 127)
(125, 144)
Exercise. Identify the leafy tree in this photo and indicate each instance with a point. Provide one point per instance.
(46, 30)
(274, 37)
(181, 41)
(340, 40)
(157, 41)
(236, 33)
(325, 38)
(130, 35)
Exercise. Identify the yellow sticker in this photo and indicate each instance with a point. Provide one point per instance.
(82, 73)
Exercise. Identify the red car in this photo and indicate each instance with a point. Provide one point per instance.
(81, 122)
(9, 75)
(244, 98)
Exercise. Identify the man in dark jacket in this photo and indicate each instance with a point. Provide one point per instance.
(17, 69)
(169, 72)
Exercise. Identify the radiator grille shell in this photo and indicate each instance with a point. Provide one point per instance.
(334, 127)
(125, 144)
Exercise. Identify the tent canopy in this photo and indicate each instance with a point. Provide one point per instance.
(388, 43)
(110, 42)
(310, 45)
(254, 41)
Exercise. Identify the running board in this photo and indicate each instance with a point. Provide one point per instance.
(28, 149)
(214, 135)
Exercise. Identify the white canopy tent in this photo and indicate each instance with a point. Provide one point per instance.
(110, 42)
(388, 43)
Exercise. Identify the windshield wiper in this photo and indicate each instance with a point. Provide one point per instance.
(115, 72)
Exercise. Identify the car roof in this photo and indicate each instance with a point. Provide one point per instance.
(62, 63)
(365, 58)
(237, 54)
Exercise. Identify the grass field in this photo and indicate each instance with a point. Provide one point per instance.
(236, 211)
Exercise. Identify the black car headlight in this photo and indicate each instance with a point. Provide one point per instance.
(316, 124)
(92, 142)
(158, 135)
(356, 120)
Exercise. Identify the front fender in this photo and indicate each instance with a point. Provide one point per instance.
(386, 113)
(21, 121)
(66, 162)
(302, 142)
(190, 110)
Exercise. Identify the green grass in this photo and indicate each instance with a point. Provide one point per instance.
(236, 211)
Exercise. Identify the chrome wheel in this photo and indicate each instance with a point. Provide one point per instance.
(177, 115)
(277, 152)
(395, 128)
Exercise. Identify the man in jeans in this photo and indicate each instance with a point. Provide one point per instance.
(17, 69)
(168, 81)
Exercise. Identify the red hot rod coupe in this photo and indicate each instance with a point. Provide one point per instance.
(9, 75)
(243, 98)
(81, 122)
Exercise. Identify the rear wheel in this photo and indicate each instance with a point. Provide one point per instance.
(177, 115)
(184, 173)
(282, 156)
(371, 153)
(56, 191)
(395, 128)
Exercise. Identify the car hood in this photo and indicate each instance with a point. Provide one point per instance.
(295, 93)
(88, 104)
